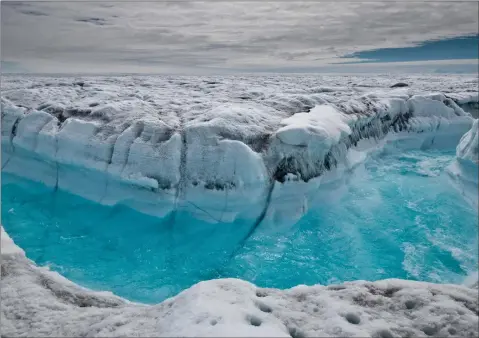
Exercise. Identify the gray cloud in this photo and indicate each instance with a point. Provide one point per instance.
(95, 21)
(216, 36)
(32, 12)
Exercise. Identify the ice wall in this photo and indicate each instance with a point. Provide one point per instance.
(464, 170)
(236, 158)
(468, 148)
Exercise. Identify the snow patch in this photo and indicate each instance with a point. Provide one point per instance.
(323, 126)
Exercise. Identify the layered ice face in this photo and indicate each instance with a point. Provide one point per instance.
(224, 149)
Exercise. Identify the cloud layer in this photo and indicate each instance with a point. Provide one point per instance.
(212, 36)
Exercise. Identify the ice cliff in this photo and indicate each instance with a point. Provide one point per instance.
(38, 302)
(464, 171)
(468, 148)
(222, 148)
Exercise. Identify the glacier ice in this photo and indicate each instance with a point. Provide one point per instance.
(464, 171)
(223, 148)
(468, 147)
(227, 148)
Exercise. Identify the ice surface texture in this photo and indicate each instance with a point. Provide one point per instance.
(468, 148)
(38, 302)
(464, 171)
(221, 147)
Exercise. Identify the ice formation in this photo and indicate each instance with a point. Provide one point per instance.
(225, 149)
(38, 302)
(464, 171)
(222, 148)
(468, 148)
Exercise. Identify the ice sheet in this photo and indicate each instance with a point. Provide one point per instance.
(159, 143)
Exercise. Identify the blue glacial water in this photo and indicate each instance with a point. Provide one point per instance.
(395, 216)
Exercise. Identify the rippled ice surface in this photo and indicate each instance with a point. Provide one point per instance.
(396, 216)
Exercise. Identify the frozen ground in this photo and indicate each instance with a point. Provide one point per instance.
(37, 302)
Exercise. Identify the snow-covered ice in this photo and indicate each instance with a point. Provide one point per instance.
(219, 147)
(227, 148)
(38, 302)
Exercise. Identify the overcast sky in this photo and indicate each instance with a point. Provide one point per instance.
(224, 37)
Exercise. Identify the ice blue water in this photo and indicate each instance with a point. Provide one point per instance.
(397, 216)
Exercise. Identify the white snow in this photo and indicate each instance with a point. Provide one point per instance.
(38, 302)
(8, 246)
(322, 126)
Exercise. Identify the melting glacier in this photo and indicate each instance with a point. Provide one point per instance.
(397, 216)
(146, 185)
